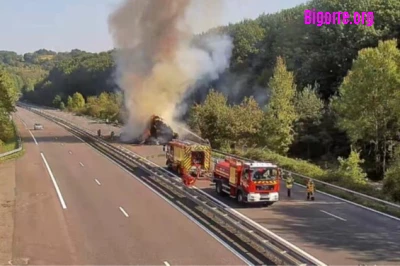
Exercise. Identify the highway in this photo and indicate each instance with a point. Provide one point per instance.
(332, 230)
(75, 207)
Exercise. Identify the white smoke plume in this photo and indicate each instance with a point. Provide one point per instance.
(157, 62)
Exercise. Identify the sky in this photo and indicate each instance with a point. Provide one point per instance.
(63, 25)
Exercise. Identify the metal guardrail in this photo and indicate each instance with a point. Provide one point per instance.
(387, 204)
(278, 251)
(12, 152)
(2, 155)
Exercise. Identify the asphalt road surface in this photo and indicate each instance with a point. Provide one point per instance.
(74, 206)
(332, 230)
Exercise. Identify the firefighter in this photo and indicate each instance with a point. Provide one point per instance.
(289, 184)
(310, 189)
(99, 133)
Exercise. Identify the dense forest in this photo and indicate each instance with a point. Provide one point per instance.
(327, 95)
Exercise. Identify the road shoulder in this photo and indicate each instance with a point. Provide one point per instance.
(7, 206)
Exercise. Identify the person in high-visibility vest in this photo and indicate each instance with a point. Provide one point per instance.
(310, 189)
(289, 184)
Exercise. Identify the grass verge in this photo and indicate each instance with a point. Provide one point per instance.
(10, 145)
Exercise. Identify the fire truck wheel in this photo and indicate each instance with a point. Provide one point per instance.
(218, 188)
(240, 198)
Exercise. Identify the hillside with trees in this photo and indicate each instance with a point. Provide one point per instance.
(9, 94)
(327, 95)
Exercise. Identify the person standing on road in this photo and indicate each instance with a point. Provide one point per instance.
(99, 133)
(310, 189)
(289, 184)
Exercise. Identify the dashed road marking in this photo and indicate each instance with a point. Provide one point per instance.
(70, 152)
(337, 217)
(123, 211)
(166, 263)
(81, 164)
(97, 181)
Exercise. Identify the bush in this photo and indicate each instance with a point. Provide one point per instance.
(7, 133)
(391, 185)
(350, 170)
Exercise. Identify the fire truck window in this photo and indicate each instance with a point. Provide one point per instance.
(245, 174)
(264, 175)
(258, 175)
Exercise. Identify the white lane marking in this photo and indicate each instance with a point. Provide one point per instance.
(23, 122)
(265, 230)
(33, 137)
(166, 263)
(337, 217)
(64, 206)
(97, 181)
(62, 144)
(355, 204)
(237, 254)
(123, 211)
(81, 164)
(70, 152)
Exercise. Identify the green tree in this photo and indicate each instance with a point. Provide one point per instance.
(391, 182)
(350, 170)
(8, 95)
(247, 37)
(78, 102)
(214, 119)
(57, 101)
(309, 105)
(280, 115)
(247, 124)
(309, 109)
(70, 103)
(367, 105)
(62, 105)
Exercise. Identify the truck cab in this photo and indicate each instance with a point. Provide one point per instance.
(248, 182)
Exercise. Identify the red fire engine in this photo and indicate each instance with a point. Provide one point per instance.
(249, 182)
(190, 160)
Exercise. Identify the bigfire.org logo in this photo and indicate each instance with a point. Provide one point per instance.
(325, 18)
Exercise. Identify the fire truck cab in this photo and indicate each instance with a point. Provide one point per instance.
(190, 160)
(248, 182)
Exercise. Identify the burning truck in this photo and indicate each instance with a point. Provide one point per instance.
(157, 132)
